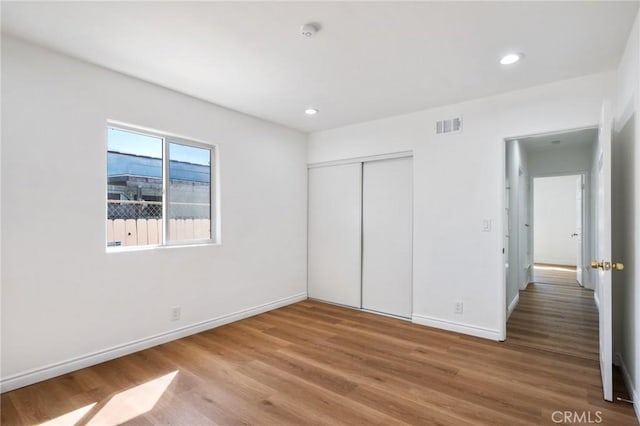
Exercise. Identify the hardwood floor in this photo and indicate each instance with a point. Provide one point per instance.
(556, 314)
(315, 363)
(555, 275)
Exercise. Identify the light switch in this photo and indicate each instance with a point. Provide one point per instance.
(486, 225)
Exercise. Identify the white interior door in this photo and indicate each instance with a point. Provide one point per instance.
(507, 233)
(523, 231)
(578, 233)
(603, 248)
(334, 234)
(387, 236)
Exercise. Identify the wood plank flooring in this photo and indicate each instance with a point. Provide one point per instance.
(315, 363)
(556, 314)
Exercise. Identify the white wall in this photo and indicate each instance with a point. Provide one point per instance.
(64, 297)
(626, 214)
(565, 160)
(555, 219)
(459, 182)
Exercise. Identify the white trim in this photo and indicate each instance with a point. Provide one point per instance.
(379, 157)
(513, 304)
(527, 279)
(457, 327)
(597, 300)
(503, 258)
(576, 172)
(635, 396)
(125, 249)
(158, 133)
(553, 132)
(43, 373)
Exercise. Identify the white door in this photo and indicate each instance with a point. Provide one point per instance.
(578, 233)
(334, 233)
(387, 236)
(523, 231)
(507, 232)
(603, 248)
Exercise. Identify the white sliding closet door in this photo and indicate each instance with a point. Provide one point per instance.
(387, 236)
(335, 213)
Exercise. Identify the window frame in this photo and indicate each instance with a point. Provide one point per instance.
(214, 199)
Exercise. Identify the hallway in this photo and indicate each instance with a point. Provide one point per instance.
(555, 316)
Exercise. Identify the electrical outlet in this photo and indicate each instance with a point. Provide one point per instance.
(458, 307)
(175, 313)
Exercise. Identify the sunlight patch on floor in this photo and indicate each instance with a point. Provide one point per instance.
(555, 268)
(71, 418)
(122, 407)
(133, 402)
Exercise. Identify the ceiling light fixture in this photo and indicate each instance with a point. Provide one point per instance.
(309, 30)
(311, 111)
(511, 58)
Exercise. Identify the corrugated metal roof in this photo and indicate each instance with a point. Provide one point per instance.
(119, 164)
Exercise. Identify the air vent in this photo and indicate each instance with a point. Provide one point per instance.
(450, 125)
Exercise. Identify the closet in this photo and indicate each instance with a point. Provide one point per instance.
(360, 235)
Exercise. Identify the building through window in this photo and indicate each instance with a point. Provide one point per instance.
(159, 189)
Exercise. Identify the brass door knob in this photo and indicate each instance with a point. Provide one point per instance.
(618, 266)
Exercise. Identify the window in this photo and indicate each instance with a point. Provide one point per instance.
(159, 189)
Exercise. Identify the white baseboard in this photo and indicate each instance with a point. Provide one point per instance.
(43, 373)
(597, 300)
(527, 276)
(472, 330)
(513, 304)
(635, 397)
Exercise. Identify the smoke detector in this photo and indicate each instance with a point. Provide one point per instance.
(309, 30)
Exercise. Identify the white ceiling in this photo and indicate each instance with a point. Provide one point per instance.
(582, 139)
(370, 60)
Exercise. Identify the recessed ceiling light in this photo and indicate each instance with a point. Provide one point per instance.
(311, 111)
(511, 58)
(555, 142)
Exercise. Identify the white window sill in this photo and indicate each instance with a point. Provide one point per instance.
(125, 249)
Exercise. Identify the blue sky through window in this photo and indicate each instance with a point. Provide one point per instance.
(189, 154)
(134, 143)
(150, 146)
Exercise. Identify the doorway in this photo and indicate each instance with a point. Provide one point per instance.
(586, 152)
(538, 159)
(550, 231)
(557, 224)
